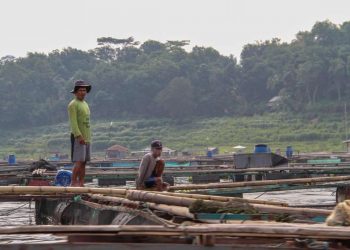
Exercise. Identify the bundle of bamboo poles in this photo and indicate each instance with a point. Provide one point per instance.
(156, 198)
(35, 190)
(160, 200)
(222, 198)
(260, 183)
(186, 202)
(176, 210)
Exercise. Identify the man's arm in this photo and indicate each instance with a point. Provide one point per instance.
(72, 113)
(142, 172)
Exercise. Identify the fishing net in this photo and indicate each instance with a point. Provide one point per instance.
(234, 207)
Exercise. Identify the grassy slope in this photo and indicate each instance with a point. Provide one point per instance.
(279, 131)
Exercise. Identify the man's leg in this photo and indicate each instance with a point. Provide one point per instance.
(79, 157)
(76, 174)
(87, 157)
(159, 169)
(82, 174)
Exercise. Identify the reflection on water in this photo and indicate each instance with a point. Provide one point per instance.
(22, 213)
(17, 213)
(317, 196)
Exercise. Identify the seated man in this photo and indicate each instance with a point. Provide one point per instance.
(151, 170)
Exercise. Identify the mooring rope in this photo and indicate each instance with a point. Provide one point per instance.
(145, 214)
(12, 210)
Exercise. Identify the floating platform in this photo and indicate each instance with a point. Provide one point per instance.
(220, 236)
(106, 218)
(196, 174)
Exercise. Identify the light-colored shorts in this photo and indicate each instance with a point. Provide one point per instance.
(80, 152)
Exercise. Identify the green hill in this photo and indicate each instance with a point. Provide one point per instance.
(277, 130)
(310, 74)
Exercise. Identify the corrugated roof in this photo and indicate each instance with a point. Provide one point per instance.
(118, 148)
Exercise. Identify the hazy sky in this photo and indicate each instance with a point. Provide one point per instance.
(44, 25)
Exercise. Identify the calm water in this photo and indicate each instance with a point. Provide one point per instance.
(22, 213)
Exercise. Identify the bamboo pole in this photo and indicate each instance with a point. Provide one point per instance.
(175, 210)
(223, 198)
(278, 230)
(158, 198)
(119, 200)
(60, 190)
(260, 183)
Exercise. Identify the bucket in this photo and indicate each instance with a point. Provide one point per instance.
(261, 148)
(12, 159)
(209, 154)
(289, 151)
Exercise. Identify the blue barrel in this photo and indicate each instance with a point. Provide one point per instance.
(12, 160)
(63, 178)
(261, 148)
(289, 151)
(209, 154)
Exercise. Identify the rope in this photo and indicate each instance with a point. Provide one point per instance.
(260, 195)
(313, 244)
(12, 210)
(145, 213)
(150, 215)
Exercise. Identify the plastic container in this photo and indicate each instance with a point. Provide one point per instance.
(12, 159)
(261, 148)
(209, 154)
(63, 178)
(289, 151)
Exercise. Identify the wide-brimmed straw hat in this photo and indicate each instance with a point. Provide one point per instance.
(79, 84)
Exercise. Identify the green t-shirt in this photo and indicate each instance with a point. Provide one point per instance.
(79, 118)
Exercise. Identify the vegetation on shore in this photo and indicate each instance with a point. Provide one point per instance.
(277, 130)
(189, 98)
(153, 79)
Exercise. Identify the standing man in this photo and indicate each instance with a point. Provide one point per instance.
(79, 118)
(151, 169)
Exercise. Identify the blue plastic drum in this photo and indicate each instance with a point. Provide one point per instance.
(63, 178)
(289, 151)
(12, 160)
(261, 148)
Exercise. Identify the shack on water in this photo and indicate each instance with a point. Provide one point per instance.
(347, 143)
(166, 152)
(117, 151)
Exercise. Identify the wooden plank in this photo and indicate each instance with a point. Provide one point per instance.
(277, 230)
(137, 246)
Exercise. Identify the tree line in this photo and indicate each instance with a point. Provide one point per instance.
(163, 79)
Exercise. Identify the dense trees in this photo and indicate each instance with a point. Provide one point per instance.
(163, 79)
